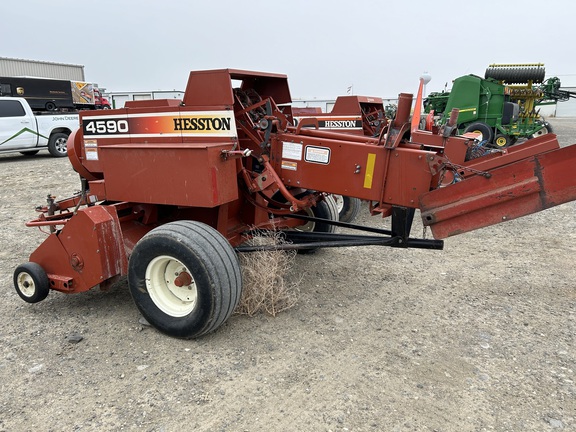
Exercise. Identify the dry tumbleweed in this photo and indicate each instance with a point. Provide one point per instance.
(263, 276)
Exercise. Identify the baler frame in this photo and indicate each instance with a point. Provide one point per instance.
(171, 190)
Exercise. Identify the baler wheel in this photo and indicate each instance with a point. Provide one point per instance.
(185, 278)
(325, 209)
(348, 207)
(31, 282)
(482, 128)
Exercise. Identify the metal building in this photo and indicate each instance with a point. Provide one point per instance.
(34, 68)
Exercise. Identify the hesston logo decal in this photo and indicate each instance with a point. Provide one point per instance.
(334, 122)
(201, 123)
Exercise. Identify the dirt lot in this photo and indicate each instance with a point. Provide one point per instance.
(478, 337)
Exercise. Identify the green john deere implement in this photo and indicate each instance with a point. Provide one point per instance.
(502, 106)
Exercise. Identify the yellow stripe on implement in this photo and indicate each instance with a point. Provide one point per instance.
(370, 162)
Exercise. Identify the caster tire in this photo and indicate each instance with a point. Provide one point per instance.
(31, 282)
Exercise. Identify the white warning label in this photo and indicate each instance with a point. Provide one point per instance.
(291, 150)
(292, 166)
(91, 149)
(319, 155)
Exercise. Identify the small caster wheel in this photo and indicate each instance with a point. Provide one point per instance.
(31, 282)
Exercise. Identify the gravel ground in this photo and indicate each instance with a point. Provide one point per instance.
(477, 337)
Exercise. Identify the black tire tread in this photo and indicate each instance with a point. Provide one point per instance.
(220, 260)
(225, 254)
(351, 209)
(40, 279)
(325, 209)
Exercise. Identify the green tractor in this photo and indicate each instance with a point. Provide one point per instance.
(502, 106)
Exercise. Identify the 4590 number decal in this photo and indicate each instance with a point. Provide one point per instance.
(105, 127)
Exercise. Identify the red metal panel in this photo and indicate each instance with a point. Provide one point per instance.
(214, 87)
(174, 174)
(351, 104)
(407, 178)
(160, 155)
(54, 259)
(512, 191)
(88, 251)
(339, 167)
(397, 176)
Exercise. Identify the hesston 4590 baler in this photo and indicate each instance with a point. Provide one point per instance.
(171, 190)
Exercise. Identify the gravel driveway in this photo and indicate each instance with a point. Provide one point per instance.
(477, 337)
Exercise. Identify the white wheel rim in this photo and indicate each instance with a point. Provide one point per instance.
(26, 284)
(162, 278)
(308, 226)
(339, 199)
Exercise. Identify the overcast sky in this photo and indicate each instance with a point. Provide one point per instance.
(381, 48)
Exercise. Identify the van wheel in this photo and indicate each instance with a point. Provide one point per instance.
(57, 144)
(50, 106)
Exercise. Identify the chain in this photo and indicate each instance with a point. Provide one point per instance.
(456, 167)
(472, 170)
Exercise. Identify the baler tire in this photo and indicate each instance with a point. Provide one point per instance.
(545, 130)
(325, 209)
(196, 308)
(486, 131)
(57, 144)
(332, 210)
(348, 207)
(31, 282)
